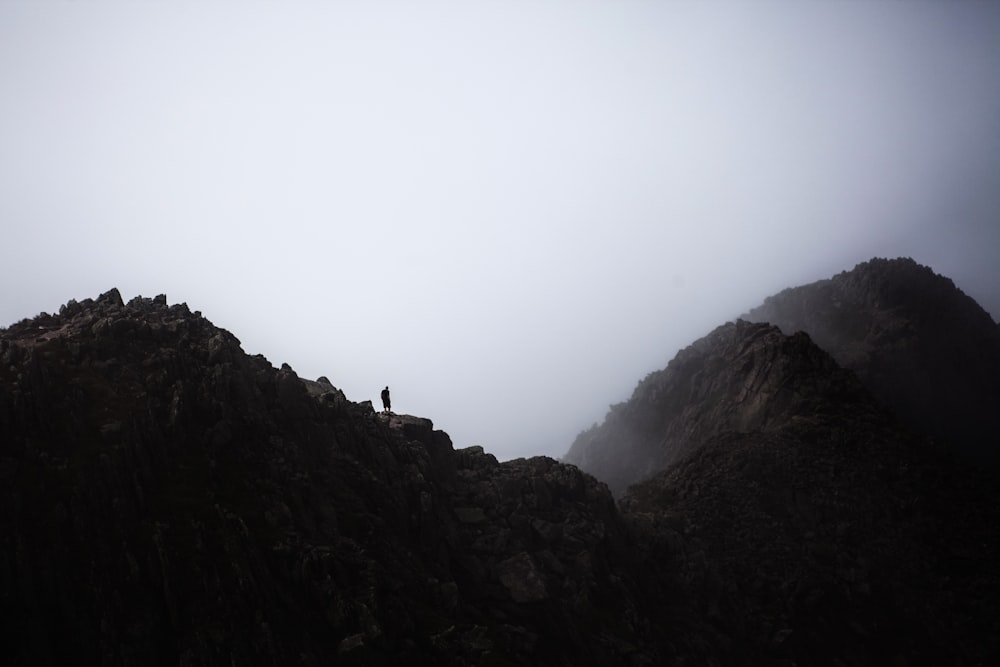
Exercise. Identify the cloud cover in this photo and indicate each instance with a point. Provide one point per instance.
(508, 212)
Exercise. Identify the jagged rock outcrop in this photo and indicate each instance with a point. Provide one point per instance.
(740, 377)
(787, 518)
(920, 344)
(168, 499)
(835, 540)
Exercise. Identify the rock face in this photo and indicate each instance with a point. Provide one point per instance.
(168, 499)
(741, 377)
(787, 518)
(922, 348)
(917, 342)
(831, 541)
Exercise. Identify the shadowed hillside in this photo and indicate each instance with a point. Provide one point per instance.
(791, 518)
(168, 499)
(922, 348)
(834, 539)
(916, 341)
(740, 377)
(797, 515)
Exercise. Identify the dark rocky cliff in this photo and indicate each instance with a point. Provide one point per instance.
(920, 344)
(167, 499)
(787, 518)
(833, 539)
(740, 377)
(922, 348)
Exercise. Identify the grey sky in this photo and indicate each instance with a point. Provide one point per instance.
(509, 212)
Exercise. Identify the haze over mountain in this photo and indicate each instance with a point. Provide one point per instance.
(924, 349)
(167, 498)
(497, 208)
(920, 344)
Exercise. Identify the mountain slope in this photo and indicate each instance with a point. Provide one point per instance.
(791, 518)
(914, 339)
(168, 499)
(826, 542)
(740, 377)
(922, 348)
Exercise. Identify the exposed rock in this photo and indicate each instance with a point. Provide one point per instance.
(920, 344)
(740, 377)
(522, 578)
(169, 499)
(787, 518)
(831, 540)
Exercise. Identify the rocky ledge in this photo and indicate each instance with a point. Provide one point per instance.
(167, 498)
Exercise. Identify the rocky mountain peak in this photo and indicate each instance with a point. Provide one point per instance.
(740, 377)
(166, 498)
(791, 498)
(917, 342)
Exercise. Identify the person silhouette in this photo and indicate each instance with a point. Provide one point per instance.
(386, 405)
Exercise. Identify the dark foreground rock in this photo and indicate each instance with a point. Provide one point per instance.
(168, 499)
(830, 541)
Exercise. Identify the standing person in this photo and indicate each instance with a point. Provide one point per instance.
(386, 405)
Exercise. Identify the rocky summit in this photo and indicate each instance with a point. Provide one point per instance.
(741, 377)
(805, 509)
(168, 499)
(921, 345)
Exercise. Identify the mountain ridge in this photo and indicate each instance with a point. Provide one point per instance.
(751, 375)
(920, 344)
(167, 498)
(922, 348)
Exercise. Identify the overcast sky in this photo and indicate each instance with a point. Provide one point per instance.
(509, 212)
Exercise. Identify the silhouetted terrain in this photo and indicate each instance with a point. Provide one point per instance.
(827, 535)
(168, 499)
(916, 341)
(923, 348)
(741, 377)
(837, 523)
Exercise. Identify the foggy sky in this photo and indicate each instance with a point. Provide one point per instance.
(509, 212)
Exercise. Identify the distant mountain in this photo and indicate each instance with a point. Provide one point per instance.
(167, 499)
(921, 345)
(741, 377)
(786, 515)
(922, 348)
